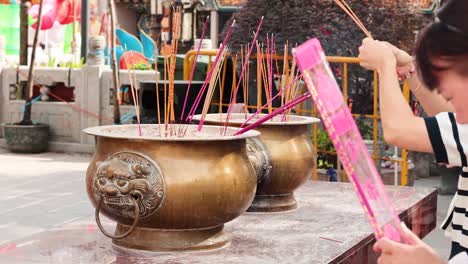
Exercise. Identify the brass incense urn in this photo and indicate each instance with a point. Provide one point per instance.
(169, 193)
(283, 157)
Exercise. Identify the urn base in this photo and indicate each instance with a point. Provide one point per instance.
(273, 203)
(165, 240)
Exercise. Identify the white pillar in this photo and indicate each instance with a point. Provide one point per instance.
(214, 29)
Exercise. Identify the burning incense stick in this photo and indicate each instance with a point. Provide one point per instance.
(291, 92)
(244, 87)
(205, 26)
(242, 75)
(278, 111)
(285, 69)
(165, 94)
(209, 75)
(174, 59)
(157, 78)
(347, 9)
(137, 94)
(271, 76)
(221, 88)
(132, 90)
(234, 78)
(264, 75)
(247, 82)
(275, 55)
(211, 89)
(259, 78)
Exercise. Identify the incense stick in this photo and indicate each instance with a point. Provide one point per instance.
(244, 87)
(234, 79)
(133, 91)
(157, 78)
(137, 94)
(270, 107)
(264, 75)
(347, 9)
(208, 77)
(233, 84)
(281, 92)
(357, 18)
(211, 89)
(270, 72)
(285, 67)
(205, 26)
(247, 83)
(291, 92)
(221, 88)
(165, 94)
(275, 55)
(259, 78)
(242, 75)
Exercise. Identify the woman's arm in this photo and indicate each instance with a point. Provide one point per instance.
(432, 102)
(400, 126)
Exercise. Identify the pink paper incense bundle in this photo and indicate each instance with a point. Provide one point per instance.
(344, 133)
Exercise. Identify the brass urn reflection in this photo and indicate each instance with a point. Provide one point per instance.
(289, 163)
(169, 194)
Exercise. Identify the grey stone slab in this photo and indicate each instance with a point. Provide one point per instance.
(329, 224)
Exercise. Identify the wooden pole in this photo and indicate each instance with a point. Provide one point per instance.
(24, 32)
(30, 84)
(115, 74)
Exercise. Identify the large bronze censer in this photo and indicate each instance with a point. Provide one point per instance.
(283, 157)
(169, 193)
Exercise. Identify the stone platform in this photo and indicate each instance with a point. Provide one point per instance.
(328, 227)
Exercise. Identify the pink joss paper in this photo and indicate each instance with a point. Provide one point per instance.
(344, 133)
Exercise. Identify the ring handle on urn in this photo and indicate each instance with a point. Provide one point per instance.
(135, 222)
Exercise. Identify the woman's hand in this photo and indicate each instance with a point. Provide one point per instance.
(405, 63)
(402, 57)
(376, 55)
(416, 251)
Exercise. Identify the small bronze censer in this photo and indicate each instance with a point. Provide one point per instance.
(283, 157)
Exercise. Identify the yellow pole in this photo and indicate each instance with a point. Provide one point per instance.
(376, 114)
(404, 152)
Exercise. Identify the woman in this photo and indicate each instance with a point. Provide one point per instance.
(442, 75)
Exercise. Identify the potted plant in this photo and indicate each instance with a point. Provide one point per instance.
(327, 162)
(28, 136)
(367, 132)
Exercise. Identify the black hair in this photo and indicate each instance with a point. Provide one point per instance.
(446, 39)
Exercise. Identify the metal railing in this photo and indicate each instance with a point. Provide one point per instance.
(345, 62)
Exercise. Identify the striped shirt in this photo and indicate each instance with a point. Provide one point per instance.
(450, 143)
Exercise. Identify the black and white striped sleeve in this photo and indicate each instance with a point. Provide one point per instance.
(448, 138)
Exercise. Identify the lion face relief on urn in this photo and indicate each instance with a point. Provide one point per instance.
(125, 176)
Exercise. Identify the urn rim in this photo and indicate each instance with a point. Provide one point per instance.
(132, 133)
(294, 119)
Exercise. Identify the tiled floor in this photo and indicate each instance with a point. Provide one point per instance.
(436, 238)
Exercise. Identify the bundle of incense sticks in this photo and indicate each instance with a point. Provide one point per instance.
(244, 67)
(132, 78)
(169, 53)
(205, 26)
(348, 142)
(209, 77)
(347, 9)
(300, 99)
(280, 93)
